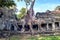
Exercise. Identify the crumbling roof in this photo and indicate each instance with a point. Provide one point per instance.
(44, 14)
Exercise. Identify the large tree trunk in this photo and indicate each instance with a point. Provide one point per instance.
(29, 16)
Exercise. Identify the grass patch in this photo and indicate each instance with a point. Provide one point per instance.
(15, 38)
(36, 38)
(45, 38)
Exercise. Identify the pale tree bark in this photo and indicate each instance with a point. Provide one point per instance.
(29, 16)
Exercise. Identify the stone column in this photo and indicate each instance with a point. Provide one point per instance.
(47, 27)
(59, 25)
(53, 26)
(23, 25)
(39, 27)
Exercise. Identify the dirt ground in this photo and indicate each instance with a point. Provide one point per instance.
(17, 37)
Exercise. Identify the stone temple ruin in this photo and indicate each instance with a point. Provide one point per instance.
(48, 21)
(7, 19)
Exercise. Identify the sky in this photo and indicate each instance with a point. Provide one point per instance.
(40, 5)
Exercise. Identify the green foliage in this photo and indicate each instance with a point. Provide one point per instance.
(7, 3)
(22, 13)
(19, 37)
(20, 16)
(23, 10)
(45, 38)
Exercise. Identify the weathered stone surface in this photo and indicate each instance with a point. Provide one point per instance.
(7, 18)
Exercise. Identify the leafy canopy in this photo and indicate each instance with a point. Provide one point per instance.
(22, 13)
(7, 3)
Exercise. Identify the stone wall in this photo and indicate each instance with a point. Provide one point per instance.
(7, 18)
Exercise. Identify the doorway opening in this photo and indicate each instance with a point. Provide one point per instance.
(19, 27)
(44, 26)
(50, 26)
(35, 27)
(12, 27)
(27, 28)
